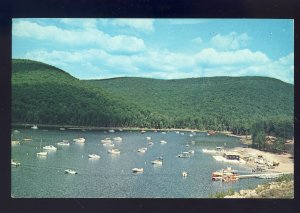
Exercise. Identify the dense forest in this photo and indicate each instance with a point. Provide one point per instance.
(44, 94)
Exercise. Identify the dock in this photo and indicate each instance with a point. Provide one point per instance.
(262, 175)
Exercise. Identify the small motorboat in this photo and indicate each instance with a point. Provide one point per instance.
(79, 140)
(184, 155)
(108, 144)
(143, 149)
(158, 162)
(69, 171)
(50, 147)
(150, 143)
(106, 140)
(15, 142)
(34, 127)
(42, 153)
(184, 174)
(117, 139)
(111, 130)
(148, 138)
(137, 170)
(15, 163)
(63, 143)
(114, 151)
(191, 151)
(94, 156)
(163, 142)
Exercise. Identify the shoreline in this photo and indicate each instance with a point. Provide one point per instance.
(104, 128)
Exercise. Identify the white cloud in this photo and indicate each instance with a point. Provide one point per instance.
(79, 22)
(168, 65)
(213, 57)
(198, 40)
(186, 21)
(89, 36)
(232, 41)
(145, 25)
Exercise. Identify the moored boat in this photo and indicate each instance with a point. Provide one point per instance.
(184, 174)
(117, 139)
(137, 170)
(163, 142)
(143, 149)
(184, 155)
(34, 127)
(15, 163)
(50, 147)
(63, 143)
(79, 140)
(114, 151)
(42, 153)
(70, 171)
(94, 156)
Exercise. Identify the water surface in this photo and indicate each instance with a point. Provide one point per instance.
(111, 175)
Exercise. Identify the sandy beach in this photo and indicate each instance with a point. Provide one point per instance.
(286, 161)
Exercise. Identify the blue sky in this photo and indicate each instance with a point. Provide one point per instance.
(159, 48)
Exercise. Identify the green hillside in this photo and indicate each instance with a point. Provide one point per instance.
(44, 94)
(223, 103)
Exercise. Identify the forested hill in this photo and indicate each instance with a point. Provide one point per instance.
(45, 94)
(214, 102)
(48, 95)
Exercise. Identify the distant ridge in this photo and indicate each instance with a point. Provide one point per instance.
(46, 94)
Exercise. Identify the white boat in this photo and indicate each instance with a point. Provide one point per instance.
(184, 174)
(177, 132)
(50, 147)
(158, 162)
(69, 171)
(184, 155)
(117, 138)
(109, 144)
(163, 133)
(63, 143)
(191, 151)
(182, 133)
(191, 135)
(62, 128)
(114, 151)
(106, 140)
(137, 170)
(143, 149)
(27, 139)
(42, 153)
(150, 143)
(79, 140)
(15, 142)
(16, 131)
(187, 145)
(34, 127)
(15, 163)
(148, 138)
(111, 130)
(121, 130)
(94, 156)
(219, 149)
(163, 141)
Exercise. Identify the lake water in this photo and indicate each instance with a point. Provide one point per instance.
(111, 176)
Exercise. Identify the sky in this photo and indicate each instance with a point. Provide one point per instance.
(158, 48)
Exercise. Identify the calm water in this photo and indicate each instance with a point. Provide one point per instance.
(111, 176)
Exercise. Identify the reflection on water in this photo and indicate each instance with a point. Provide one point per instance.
(111, 176)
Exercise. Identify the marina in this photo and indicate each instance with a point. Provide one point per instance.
(189, 175)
